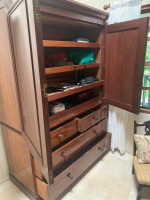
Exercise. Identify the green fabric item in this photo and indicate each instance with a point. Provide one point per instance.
(82, 57)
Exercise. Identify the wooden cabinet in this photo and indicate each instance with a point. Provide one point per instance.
(65, 130)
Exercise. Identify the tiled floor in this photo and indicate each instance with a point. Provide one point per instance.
(109, 179)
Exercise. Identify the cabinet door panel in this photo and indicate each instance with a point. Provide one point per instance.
(25, 28)
(125, 53)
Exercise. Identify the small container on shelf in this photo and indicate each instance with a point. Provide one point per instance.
(55, 107)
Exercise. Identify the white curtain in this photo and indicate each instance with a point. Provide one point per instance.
(120, 10)
(124, 10)
(117, 123)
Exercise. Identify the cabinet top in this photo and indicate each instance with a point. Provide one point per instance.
(75, 7)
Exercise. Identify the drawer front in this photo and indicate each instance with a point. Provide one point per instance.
(37, 170)
(68, 176)
(42, 188)
(91, 119)
(64, 132)
(63, 154)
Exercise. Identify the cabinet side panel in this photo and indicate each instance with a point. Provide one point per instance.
(18, 158)
(9, 102)
(24, 66)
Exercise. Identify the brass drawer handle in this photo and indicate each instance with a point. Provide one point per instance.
(60, 136)
(101, 148)
(96, 132)
(70, 176)
(64, 155)
(95, 117)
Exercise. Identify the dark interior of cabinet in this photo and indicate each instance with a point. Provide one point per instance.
(64, 29)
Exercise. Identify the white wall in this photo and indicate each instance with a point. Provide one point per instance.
(100, 3)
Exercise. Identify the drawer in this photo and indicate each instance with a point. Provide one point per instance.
(89, 120)
(37, 170)
(42, 188)
(64, 132)
(73, 172)
(64, 153)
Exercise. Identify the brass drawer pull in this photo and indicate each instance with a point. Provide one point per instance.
(95, 117)
(70, 176)
(101, 148)
(60, 136)
(96, 132)
(65, 156)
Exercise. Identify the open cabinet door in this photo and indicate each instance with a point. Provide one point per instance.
(26, 37)
(125, 57)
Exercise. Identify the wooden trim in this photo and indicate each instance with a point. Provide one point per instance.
(145, 110)
(13, 129)
(145, 9)
(147, 63)
(57, 12)
(76, 7)
(132, 24)
(58, 95)
(54, 43)
(55, 70)
(145, 88)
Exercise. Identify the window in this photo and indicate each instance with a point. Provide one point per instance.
(145, 96)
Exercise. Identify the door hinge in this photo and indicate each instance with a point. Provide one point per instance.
(37, 14)
(45, 90)
(51, 177)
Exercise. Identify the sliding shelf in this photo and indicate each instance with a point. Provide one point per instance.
(58, 95)
(55, 43)
(55, 70)
(73, 112)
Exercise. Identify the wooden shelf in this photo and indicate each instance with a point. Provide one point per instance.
(58, 95)
(55, 70)
(73, 112)
(55, 43)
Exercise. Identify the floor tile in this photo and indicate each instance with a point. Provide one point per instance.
(9, 191)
